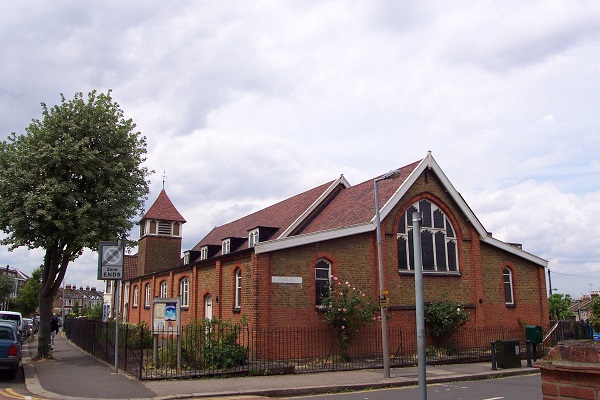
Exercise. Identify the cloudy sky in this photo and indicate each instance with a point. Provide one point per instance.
(245, 103)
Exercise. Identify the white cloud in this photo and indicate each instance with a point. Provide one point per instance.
(247, 103)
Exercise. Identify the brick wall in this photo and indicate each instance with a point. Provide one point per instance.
(571, 371)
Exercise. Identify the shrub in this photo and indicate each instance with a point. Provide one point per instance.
(443, 318)
(347, 311)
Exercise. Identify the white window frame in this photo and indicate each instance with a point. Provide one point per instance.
(238, 288)
(226, 246)
(163, 290)
(136, 295)
(147, 294)
(319, 267)
(507, 283)
(184, 291)
(186, 257)
(253, 237)
(126, 293)
(204, 253)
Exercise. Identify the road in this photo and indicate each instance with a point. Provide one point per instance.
(513, 388)
(11, 389)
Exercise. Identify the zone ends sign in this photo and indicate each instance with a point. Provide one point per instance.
(111, 259)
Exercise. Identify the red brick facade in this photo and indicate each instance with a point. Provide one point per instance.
(478, 283)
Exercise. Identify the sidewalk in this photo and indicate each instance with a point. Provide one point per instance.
(75, 375)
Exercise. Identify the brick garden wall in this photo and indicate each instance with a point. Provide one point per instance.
(571, 371)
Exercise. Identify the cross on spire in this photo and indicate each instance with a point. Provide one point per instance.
(164, 177)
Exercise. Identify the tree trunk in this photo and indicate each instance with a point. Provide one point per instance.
(45, 319)
(53, 273)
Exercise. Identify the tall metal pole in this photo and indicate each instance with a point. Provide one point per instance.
(117, 293)
(549, 284)
(117, 289)
(420, 305)
(384, 325)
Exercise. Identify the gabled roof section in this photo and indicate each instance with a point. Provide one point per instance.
(283, 217)
(352, 211)
(163, 209)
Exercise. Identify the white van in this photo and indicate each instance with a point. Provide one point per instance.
(17, 317)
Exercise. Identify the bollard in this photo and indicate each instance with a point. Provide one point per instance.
(528, 347)
(493, 344)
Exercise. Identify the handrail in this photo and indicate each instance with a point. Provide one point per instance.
(550, 331)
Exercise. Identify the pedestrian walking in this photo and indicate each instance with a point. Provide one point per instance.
(53, 330)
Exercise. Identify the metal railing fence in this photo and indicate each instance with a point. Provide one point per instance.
(217, 349)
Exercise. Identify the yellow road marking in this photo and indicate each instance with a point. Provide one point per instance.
(10, 393)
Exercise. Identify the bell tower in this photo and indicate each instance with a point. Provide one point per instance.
(159, 246)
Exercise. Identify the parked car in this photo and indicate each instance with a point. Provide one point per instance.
(28, 327)
(15, 316)
(10, 348)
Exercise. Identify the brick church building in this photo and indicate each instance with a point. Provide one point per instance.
(272, 266)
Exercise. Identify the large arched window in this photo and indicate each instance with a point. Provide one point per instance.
(184, 292)
(438, 239)
(507, 277)
(322, 276)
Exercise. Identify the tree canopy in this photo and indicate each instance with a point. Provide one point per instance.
(558, 306)
(595, 314)
(28, 298)
(7, 286)
(75, 178)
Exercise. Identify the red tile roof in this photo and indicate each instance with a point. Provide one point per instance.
(356, 204)
(280, 216)
(348, 206)
(130, 266)
(163, 209)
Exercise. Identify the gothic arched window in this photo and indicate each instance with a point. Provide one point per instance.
(438, 239)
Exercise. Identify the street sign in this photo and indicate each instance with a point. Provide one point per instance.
(111, 260)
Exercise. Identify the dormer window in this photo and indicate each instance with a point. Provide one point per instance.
(226, 246)
(186, 257)
(253, 237)
(204, 253)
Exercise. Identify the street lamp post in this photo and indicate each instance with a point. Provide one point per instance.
(382, 290)
(419, 305)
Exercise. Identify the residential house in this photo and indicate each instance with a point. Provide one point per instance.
(70, 297)
(20, 280)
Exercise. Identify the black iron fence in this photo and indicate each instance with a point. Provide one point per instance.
(220, 348)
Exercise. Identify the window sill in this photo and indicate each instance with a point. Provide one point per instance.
(321, 309)
(236, 310)
(511, 305)
(432, 273)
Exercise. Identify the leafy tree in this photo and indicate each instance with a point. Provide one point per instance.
(7, 286)
(444, 317)
(558, 306)
(73, 179)
(28, 298)
(347, 311)
(95, 312)
(594, 318)
(76, 308)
